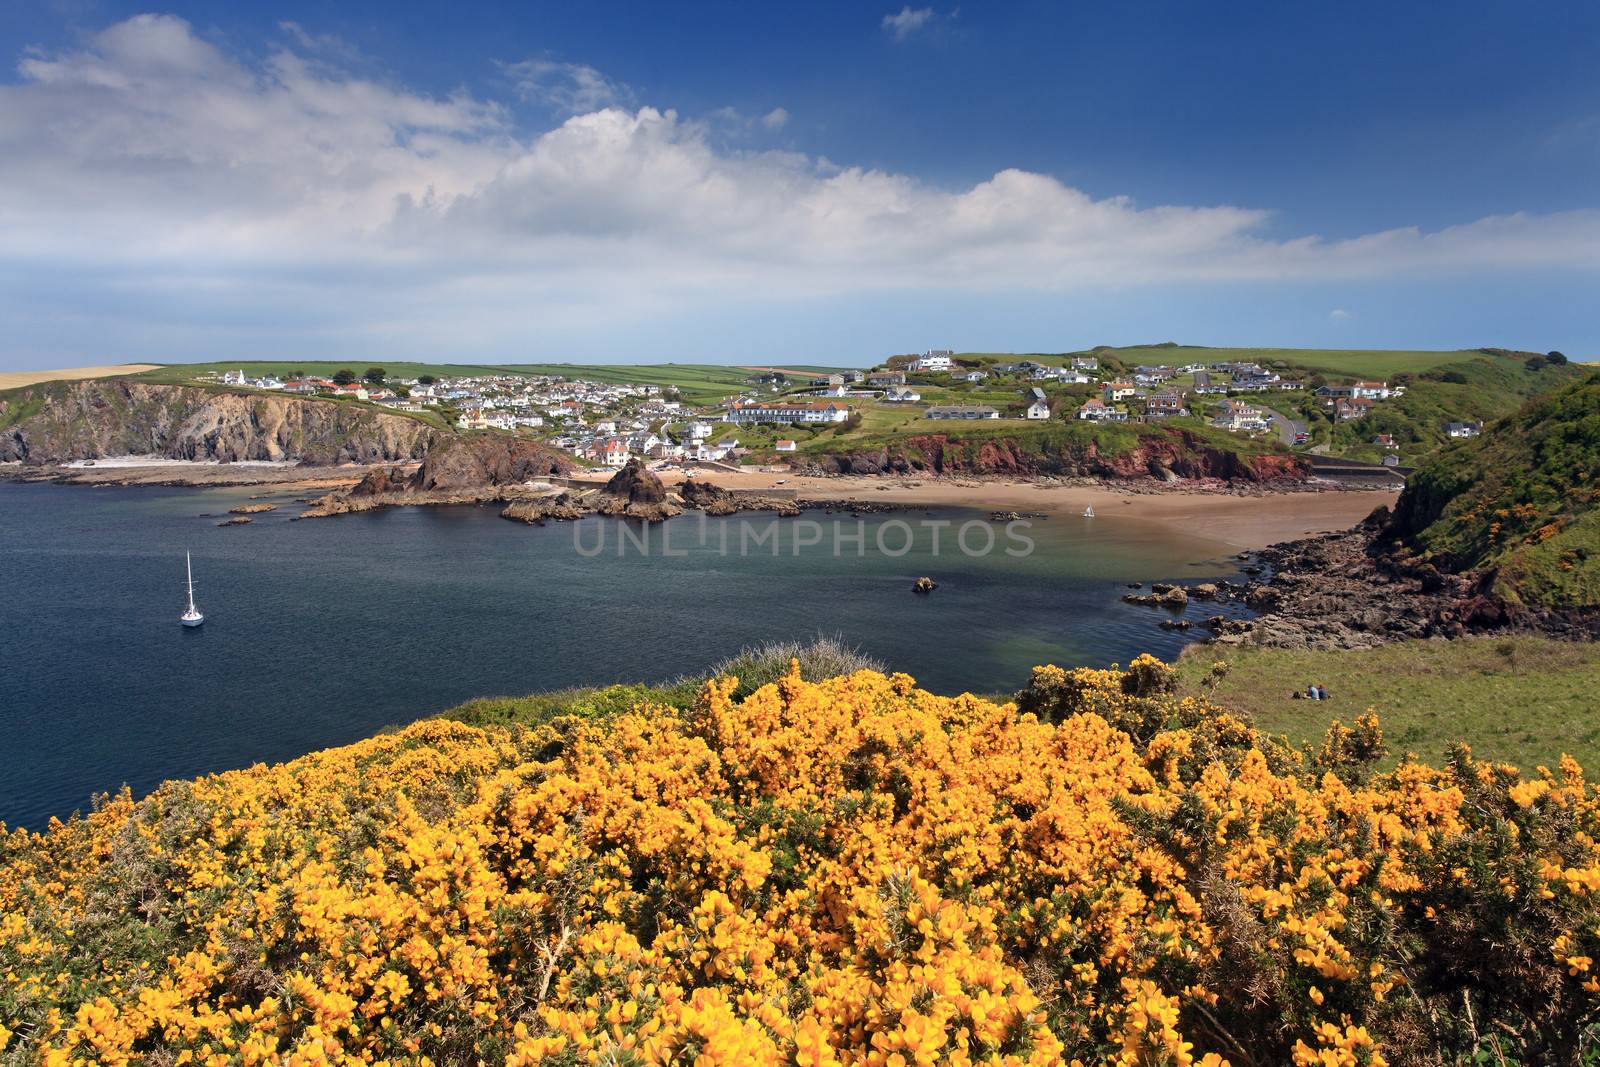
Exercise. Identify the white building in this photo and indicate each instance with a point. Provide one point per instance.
(937, 359)
(788, 411)
(962, 411)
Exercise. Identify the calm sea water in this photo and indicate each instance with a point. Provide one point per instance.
(321, 632)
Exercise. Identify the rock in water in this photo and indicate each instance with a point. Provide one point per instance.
(924, 585)
(636, 484)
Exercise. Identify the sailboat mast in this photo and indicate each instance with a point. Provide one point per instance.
(189, 571)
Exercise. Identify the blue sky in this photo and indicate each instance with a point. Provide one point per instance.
(813, 181)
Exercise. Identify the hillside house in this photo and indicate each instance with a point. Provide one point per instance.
(882, 379)
(962, 411)
(1459, 430)
(1164, 405)
(901, 395)
(784, 445)
(1239, 417)
(1112, 392)
(1038, 406)
(1096, 410)
(1350, 410)
(935, 360)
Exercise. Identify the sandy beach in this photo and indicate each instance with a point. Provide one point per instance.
(1240, 520)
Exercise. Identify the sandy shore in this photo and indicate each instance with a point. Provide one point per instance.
(1243, 521)
(267, 476)
(1236, 519)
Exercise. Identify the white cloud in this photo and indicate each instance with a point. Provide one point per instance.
(776, 119)
(152, 161)
(571, 88)
(1338, 314)
(907, 22)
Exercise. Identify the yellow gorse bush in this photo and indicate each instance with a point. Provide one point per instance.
(845, 872)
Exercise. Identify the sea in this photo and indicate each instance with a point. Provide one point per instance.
(324, 631)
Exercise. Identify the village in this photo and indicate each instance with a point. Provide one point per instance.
(605, 424)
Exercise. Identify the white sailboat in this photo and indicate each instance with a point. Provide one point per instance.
(191, 617)
(1088, 512)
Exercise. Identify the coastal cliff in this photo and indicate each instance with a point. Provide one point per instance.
(60, 422)
(1165, 454)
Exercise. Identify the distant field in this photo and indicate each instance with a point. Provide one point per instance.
(18, 379)
(1518, 700)
(179, 372)
(1358, 362)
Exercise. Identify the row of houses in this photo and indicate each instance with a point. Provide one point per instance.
(788, 411)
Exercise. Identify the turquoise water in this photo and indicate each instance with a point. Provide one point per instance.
(321, 632)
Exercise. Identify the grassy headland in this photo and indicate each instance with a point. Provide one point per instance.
(1518, 503)
(1522, 700)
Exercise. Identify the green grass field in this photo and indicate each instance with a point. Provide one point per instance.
(1354, 362)
(1518, 700)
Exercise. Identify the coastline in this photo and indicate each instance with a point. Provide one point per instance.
(1243, 517)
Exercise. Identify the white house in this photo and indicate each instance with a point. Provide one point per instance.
(784, 446)
(901, 395)
(788, 411)
(1463, 429)
(1112, 392)
(1038, 407)
(699, 430)
(937, 359)
(1237, 416)
(233, 377)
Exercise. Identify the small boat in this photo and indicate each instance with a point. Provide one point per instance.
(1088, 512)
(191, 617)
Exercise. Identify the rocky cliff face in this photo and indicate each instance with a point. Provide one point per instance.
(472, 462)
(59, 422)
(1168, 456)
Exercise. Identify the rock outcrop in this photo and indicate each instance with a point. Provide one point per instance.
(1162, 454)
(61, 422)
(637, 493)
(472, 462)
(1350, 590)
